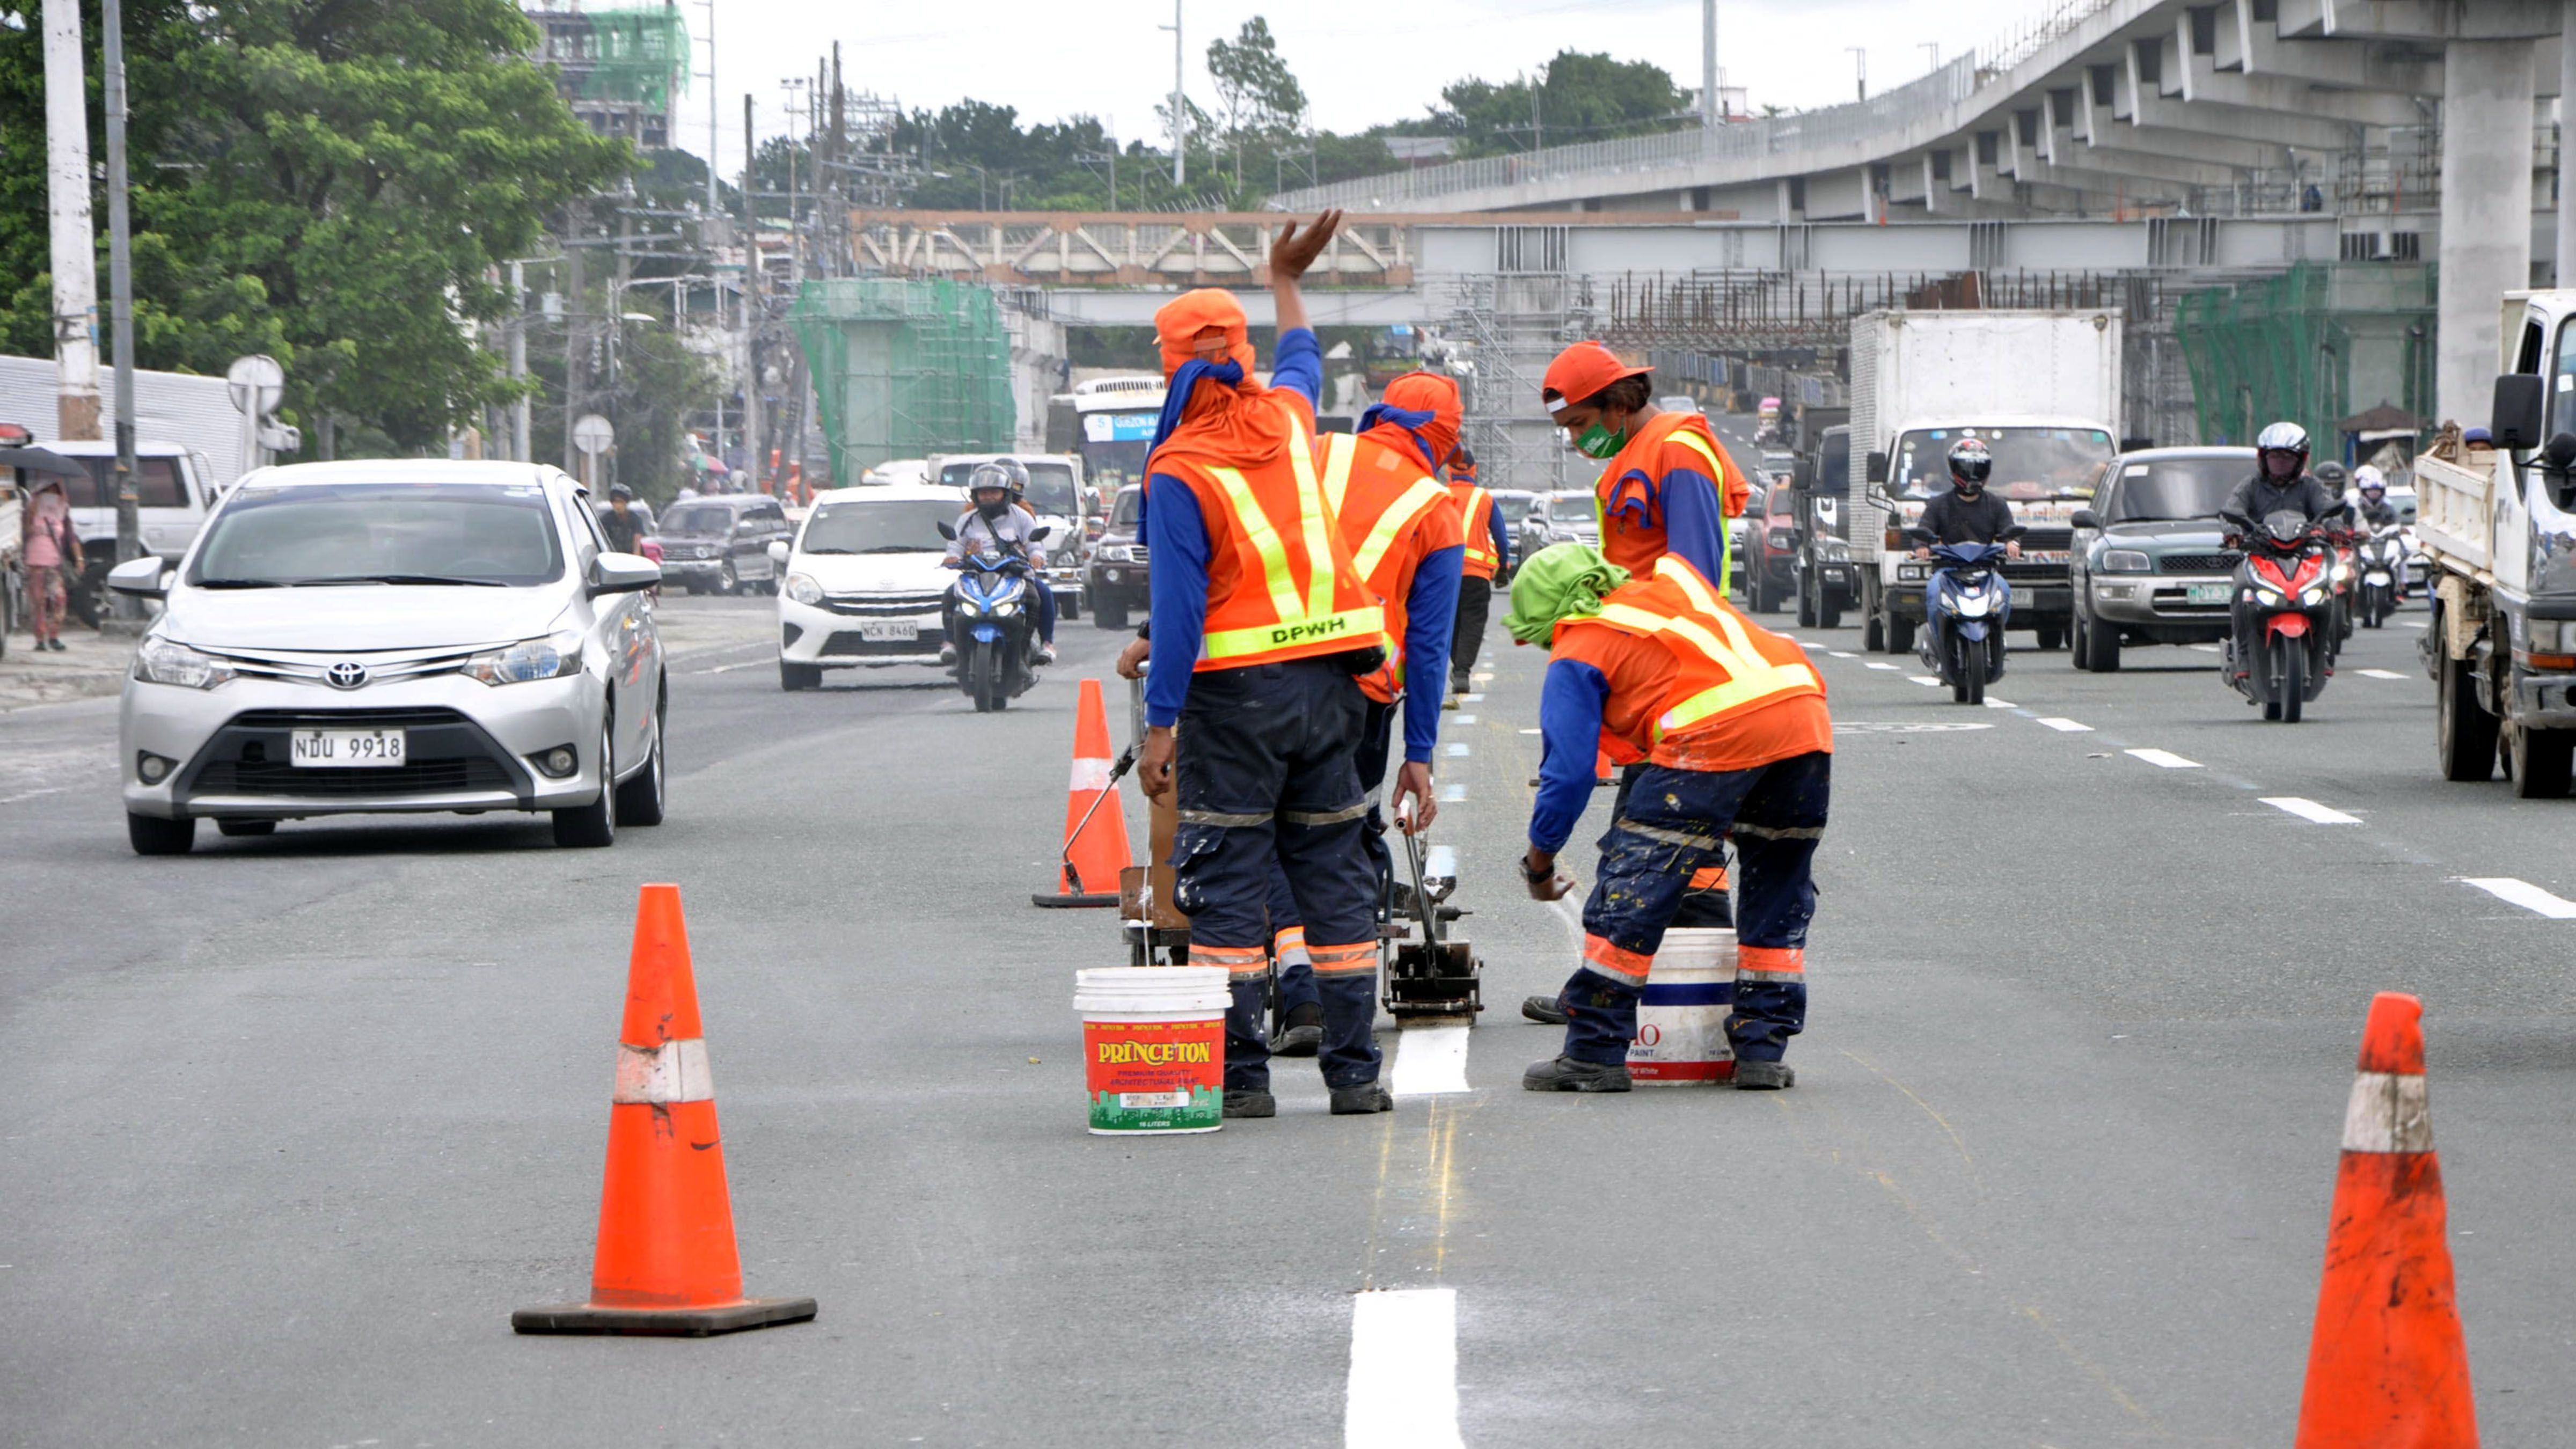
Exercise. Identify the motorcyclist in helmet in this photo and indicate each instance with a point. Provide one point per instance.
(997, 521)
(2376, 510)
(620, 521)
(2281, 481)
(1968, 513)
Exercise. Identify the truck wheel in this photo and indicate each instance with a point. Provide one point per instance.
(1873, 629)
(1109, 612)
(1829, 613)
(2050, 636)
(1900, 631)
(1806, 598)
(2541, 761)
(2464, 733)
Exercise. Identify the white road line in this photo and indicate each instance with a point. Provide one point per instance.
(2524, 894)
(1471, 699)
(1994, 703)
(2379, 674)
(1874, 664)
(1453, 794)
(1533, 732)
(1457, 751)
(2413, 623)
(2065, 726)
(2165, 759)
(1404, 1370)
(729, 668)
(2310, 810)
(1842, 654)
(1430, 1059)
(1925, 680)
(1466, 719)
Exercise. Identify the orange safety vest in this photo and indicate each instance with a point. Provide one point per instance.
(1281, 583)
(1632, 545)
(1476, 515)
(1382, 500)
(1725, 665)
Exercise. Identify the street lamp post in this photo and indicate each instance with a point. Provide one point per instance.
(1180, 102)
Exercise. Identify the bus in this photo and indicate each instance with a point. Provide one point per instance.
(1110, 426)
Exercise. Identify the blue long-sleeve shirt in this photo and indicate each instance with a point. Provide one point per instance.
(1176, 548)
(1570, 703)
(1694, 517)
(1430, 620)
(1501, 534)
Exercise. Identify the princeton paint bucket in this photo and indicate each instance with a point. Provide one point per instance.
(1153, 1047)
(1681, 1018)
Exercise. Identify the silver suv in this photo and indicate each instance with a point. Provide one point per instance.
(348, 638)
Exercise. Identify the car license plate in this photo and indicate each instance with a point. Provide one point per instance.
(906, 630)
(2043, 555)
(2207, 593)
(350, 749)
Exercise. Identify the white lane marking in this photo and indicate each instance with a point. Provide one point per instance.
(1874, 664)
(1994, 703)
(2065, 726)
(1842, 654)
(729, 668)
(2205, 648)
(1453, 794)
(2524, 894)
(32, 794)
(2307, 809)
(1533, 732)
(1457, 751)
(1466, 719)
(1471, 699)
(2379, 674)
(1430, 1059)
(1403, 1390)
(1925, 679)
(2414, 623)
(2165, 759)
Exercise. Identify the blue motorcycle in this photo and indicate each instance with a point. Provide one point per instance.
(990, 621)
(1966, 606)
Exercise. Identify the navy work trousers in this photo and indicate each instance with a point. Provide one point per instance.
(1268, 778)
(1297, 978)
(1670, 826)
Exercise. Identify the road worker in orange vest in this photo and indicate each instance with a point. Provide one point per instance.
(1731, 720)
(1262, 625)
(1489, 553)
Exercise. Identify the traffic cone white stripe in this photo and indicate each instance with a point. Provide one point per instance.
(675, 1071)
(1090, 775)
(2388, 1112)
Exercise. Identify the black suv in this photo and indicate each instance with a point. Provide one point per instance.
(721, 542)
(1117, 581)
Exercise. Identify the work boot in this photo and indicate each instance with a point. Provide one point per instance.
(1302, 1034)
(1545, 1010)
(1365, 1098)
(1764, 1076)
(1250, 1102)
(1565, 1074)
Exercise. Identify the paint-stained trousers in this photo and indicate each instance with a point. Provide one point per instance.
(1297, 978)
(1671, 824)
(1267, 772)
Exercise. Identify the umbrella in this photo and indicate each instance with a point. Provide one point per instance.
(41, 460)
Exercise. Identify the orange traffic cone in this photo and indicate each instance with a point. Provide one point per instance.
(1095, 819)
(1605, 771)
(2386, 1366)
(666, 1264)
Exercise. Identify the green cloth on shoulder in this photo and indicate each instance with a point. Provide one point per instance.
(1559, 582)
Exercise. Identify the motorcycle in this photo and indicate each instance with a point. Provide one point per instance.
(1966, 606)
(991, 622)
(2282, 651)
(2382, 561)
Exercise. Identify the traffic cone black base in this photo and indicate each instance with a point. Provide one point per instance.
(663, 1322)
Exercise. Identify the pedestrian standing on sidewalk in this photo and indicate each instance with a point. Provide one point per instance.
(50, 549)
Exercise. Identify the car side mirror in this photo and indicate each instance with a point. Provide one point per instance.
(140, 577)
(948, 531)
(778, 553)
(2515, 420)
(1877, 468)
(2086, 518)
(623, 573)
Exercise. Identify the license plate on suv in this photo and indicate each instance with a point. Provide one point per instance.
(905, 630)
(350, 749)
(2207, 593)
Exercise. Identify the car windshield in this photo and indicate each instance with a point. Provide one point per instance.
(1570, 508)
(380, 533)
(1516, 506)
(2166, 489)
(1129, 508)
(1050, 488)
(901, 525)
(704, 519)
(2030, 463)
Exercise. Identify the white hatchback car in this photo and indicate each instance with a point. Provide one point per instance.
(864, 583)
(399, 635)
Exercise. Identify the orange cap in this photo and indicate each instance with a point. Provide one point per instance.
(1582, 370)
(1179, 322)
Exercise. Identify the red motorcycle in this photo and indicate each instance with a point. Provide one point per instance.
(2286, 614)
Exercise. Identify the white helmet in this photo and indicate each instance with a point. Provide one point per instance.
(2367, 477)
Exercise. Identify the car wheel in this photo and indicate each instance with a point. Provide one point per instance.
(2078, 637)
(1071, 608)
(728, 578)
(2050, 636)
(793, 677)
(152, 835)
(2101, 646)
(639, 801)
(595, 824)
(247, 827)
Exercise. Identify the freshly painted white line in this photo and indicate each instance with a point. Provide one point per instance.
(1994, 703)
(2165, 759)
(2310, 810)
(1874, 664)
(2204, 648)
(2524, 894)
(1925, 679)
(2379, 674)
(1403, 1390)
(1430, 1059)
(2065, 726)
(1452, 794)
(1842, 654)
(729, 668)
(1456, 751)
(2409, 623)
(1533, 732)
(1471, 699)
(1466, 719)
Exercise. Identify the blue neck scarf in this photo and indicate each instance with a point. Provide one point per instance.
(1185, 385)
(1406, 418)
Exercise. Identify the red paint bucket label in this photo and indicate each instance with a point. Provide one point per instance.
(1155, 1076)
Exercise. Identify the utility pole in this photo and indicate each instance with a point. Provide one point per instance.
(574, 358)
(754, 308)
(1711, 114)
(715, 132)
(120, 291)
(522, 447)
(1860, 68)
(1180, 101)
(75, 244)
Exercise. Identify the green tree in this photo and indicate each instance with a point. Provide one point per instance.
(1574, 97)
(1262, 100)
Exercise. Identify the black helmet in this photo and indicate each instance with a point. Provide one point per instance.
(1003, 473)
(2284, 439)
(1971, 463)
(2333, 474)
(620, 490)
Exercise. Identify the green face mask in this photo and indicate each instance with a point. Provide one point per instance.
(1599, 442)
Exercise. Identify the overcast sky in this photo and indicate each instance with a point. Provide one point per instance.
(1360, 63)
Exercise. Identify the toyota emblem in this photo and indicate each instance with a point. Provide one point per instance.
(348, 674)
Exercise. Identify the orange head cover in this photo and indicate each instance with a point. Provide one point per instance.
(1425, 405)
(1209, 416)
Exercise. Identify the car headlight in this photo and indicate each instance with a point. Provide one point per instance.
(1911, 571)
(552, 657)
(1834, 550)
(2122, 561)
(1111, 552)
(164, 661)
(803, 589)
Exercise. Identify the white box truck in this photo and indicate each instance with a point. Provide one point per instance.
(2042, 388)
(2498, 525)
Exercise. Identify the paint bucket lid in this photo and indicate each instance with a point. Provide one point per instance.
(1114, 989)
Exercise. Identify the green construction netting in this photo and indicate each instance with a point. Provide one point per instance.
(2313, 345)
(636, 55)
(905, 368)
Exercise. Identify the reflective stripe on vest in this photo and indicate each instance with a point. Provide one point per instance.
(1749, 676)
(1478, 520)
(1299, 623)
(1341, 454)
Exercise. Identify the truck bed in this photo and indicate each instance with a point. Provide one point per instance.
(2455, 513)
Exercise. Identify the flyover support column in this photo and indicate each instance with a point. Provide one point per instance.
(2487, 91)
(2566, 276)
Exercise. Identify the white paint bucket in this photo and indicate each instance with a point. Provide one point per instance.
(1681, 1019)
(1153, 1048)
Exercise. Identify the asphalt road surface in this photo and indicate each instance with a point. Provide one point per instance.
(296, 1122)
